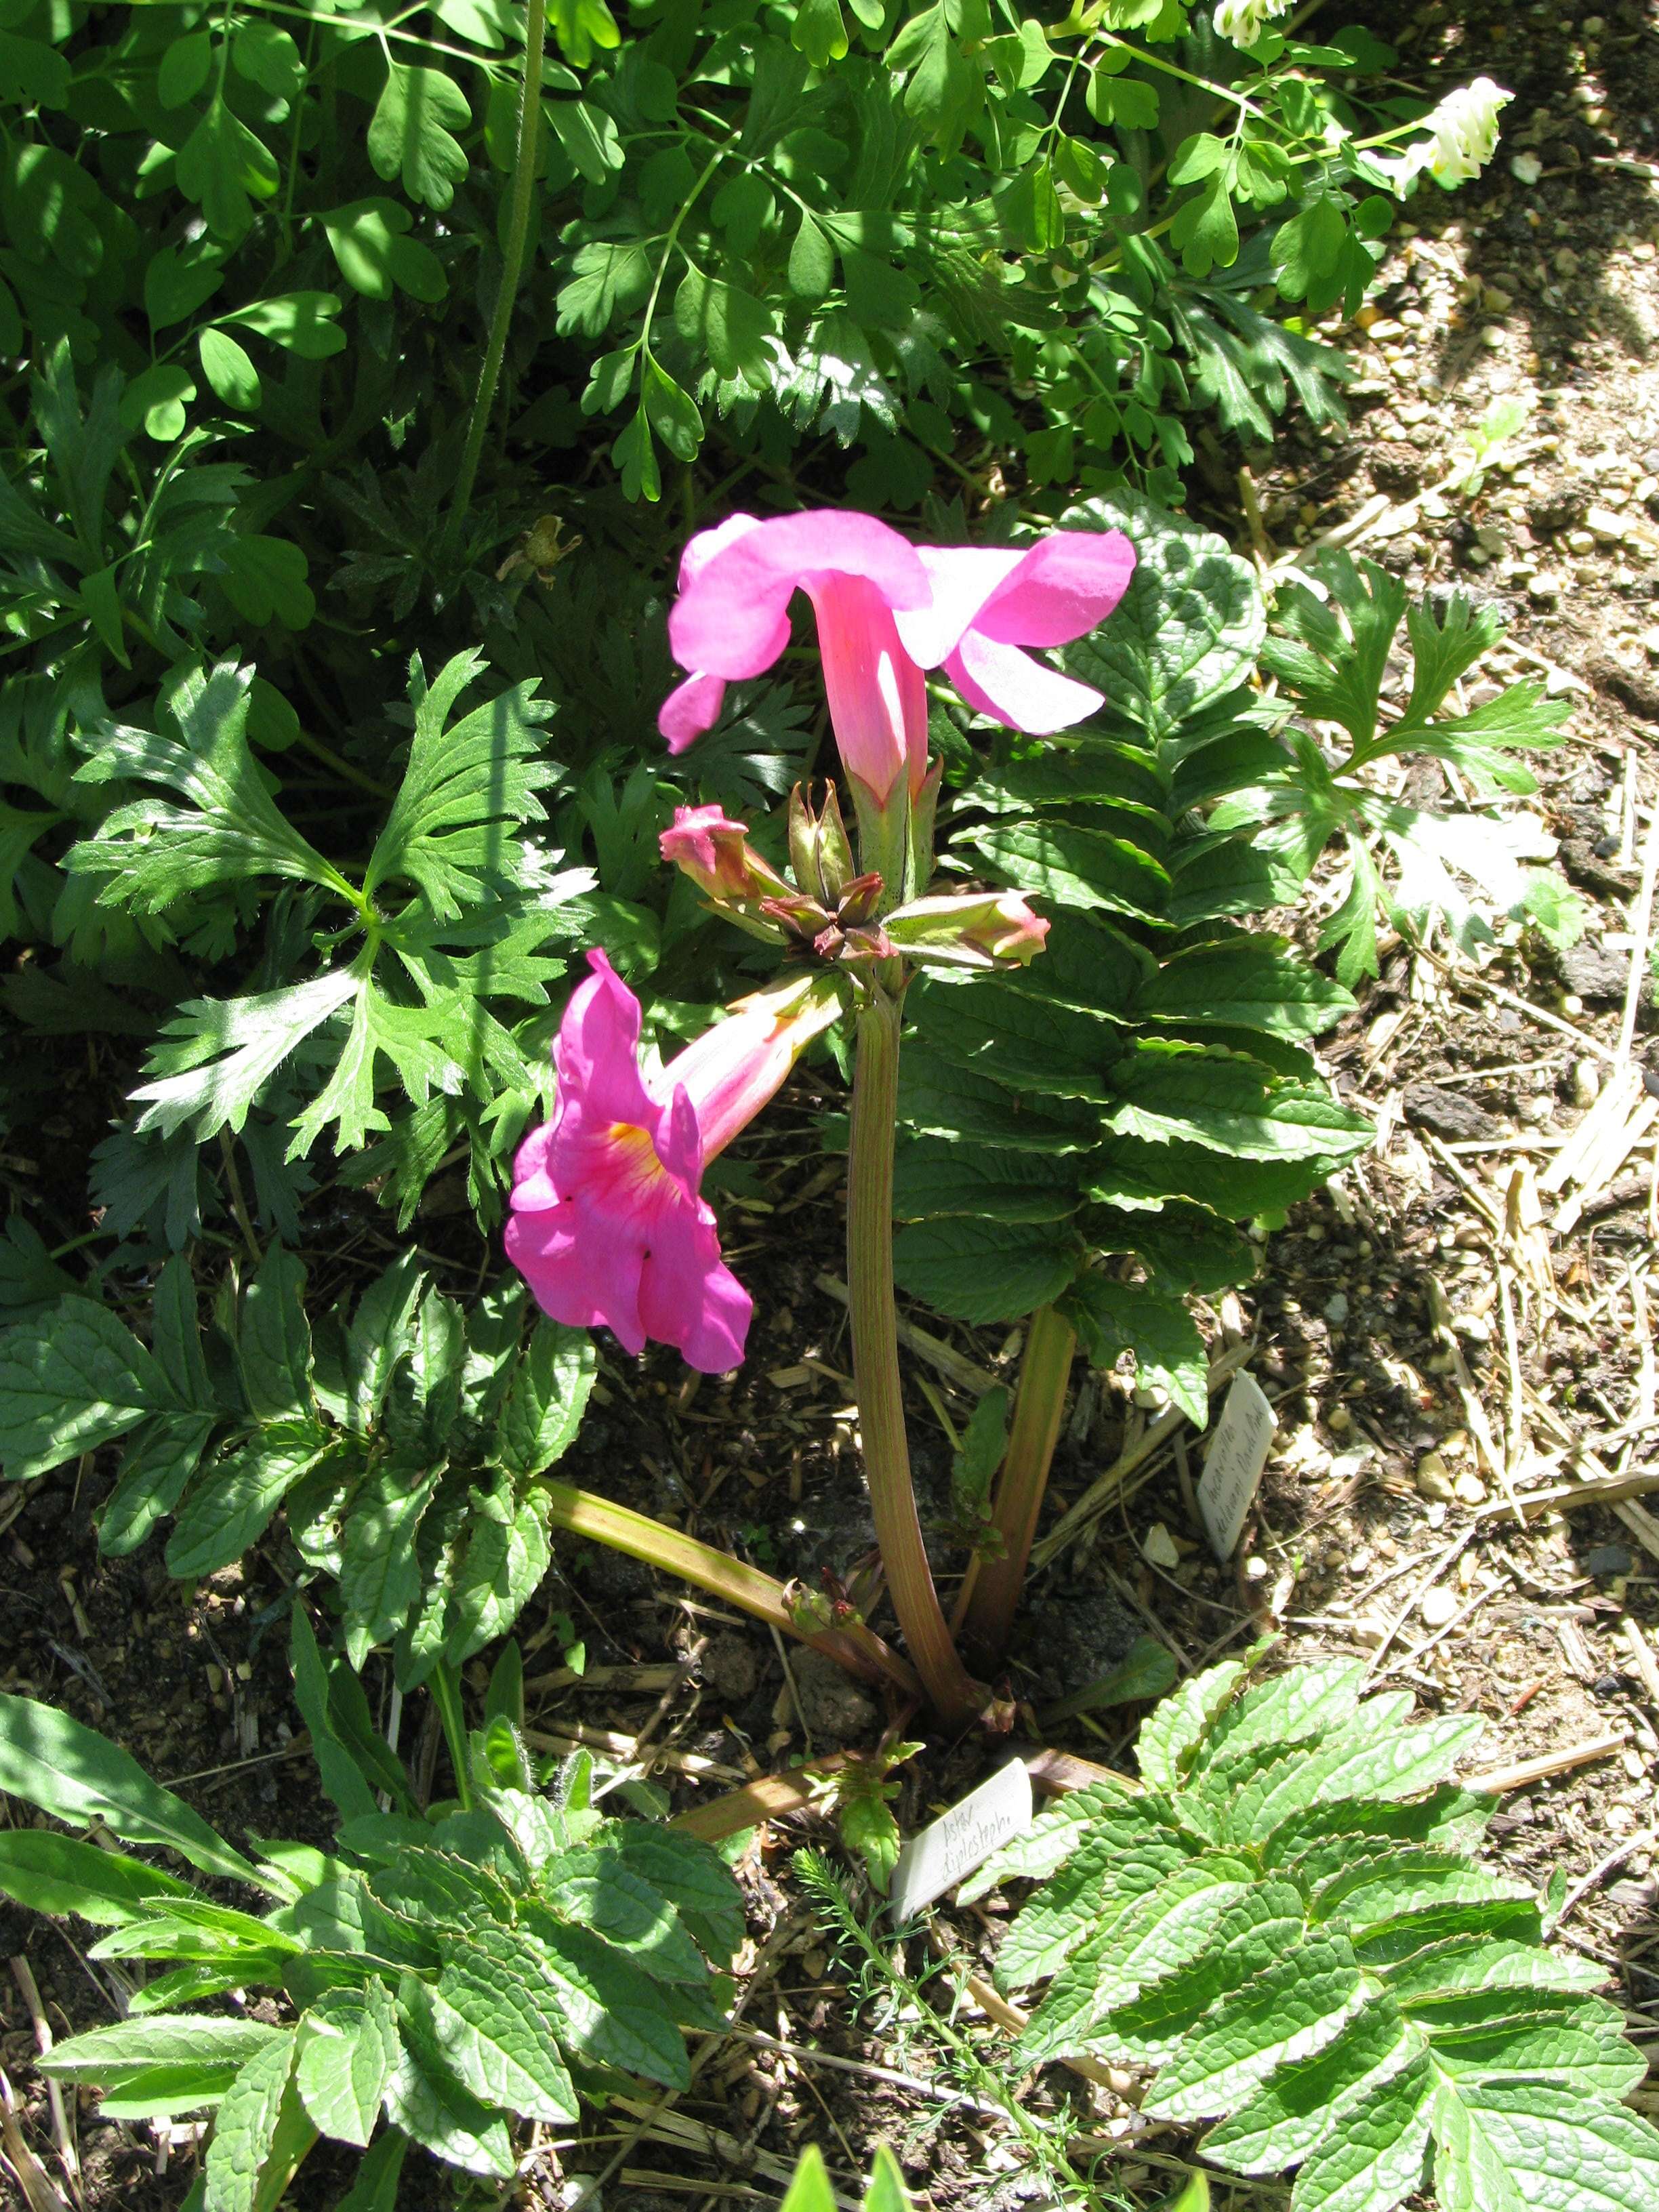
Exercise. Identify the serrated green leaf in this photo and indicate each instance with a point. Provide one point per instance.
(1303, 2105)
(984, 1271)
(70, 1382)
(1170, 1737)
(1074, 866)
(508, 1554)
(468, 786)
(595, 1887)
(1190, 626)
(1112, 1317)
(932, 1179)
(257, 2141)
(1288, 2013)
(1450, 1969)
(1268, 1920)
(939, 1099)
(692, 1876)
(1206, 1096)
(609, 2011)
(380, 1576)
(1257, 981)
(546, 1399)
(1376, 2160)
(1367, 1759)
(1153, 1936)
(430, 2104)
(1541, 2148)
(233, 1505)
(495, 2024)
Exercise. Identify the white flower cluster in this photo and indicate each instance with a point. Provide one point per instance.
(1243, 22)
(1463, 135)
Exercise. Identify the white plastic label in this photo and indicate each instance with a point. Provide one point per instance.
(1233, 1464)
(962, 1839)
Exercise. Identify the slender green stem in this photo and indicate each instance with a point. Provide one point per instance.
(670, 239)
(446, 1689)
(1039, 1404)
(876, 1364)
(518, 230)
(856, 1649)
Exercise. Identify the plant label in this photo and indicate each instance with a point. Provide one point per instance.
(1233, 1464)
(962, 1839)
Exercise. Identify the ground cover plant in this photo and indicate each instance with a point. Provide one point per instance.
(353, 393)
(456, 1969)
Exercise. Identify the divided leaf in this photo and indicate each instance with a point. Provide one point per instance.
(1288, 1929)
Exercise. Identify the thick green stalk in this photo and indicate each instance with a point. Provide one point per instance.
(1039, 1405)
(876, 1364)
(859, 1649)
(518, 230)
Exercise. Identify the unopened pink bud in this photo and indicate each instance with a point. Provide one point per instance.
(970, 929)
(716, 853)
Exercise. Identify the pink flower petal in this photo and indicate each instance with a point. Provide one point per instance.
(731, 618)
(877, 699)
(597, 1054)
(1067, 583)
(532, 1186)
(1011, 687)
(688, 1297)
(961, 578)
(691, 707)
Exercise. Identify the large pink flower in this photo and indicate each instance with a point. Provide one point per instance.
(886, 610)
(608, 1226)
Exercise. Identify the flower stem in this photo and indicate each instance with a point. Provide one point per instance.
(518, 230)
(446, 1689)
(876, 1364)
(856, 1649)
(1039, 1404)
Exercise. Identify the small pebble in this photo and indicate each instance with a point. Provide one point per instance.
(1433, 1479)
(1336, 1307)
(1586, 1082)
(1439, 1605)
(1470, 1490)
(1159, 1547)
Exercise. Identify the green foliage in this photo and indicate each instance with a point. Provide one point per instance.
(810, 2191)
(453, 1972)
(452, 914)
(1085, 1130)
(1333, 643)
(404, 1442)
(1286, 1927)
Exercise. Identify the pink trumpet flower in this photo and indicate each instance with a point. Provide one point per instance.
(887, 609)
(608, 1225)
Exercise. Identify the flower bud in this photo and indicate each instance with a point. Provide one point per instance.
(969, 929)
(716, 853)
(819, 850)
